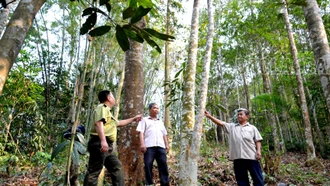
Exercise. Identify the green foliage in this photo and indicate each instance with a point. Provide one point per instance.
(296, 146)
(127, 31)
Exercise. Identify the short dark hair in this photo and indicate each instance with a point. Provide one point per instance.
(151, 105)
(103, 95)
(246, 111)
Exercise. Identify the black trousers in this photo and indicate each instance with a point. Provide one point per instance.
(158, 154)
(98, 159)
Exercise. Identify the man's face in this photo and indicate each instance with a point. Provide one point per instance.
(242, 117)
(111, 99)
(154, 110)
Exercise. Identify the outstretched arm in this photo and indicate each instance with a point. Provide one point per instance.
(213, 119)
(125, 122)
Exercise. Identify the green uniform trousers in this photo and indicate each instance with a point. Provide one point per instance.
(98, 159)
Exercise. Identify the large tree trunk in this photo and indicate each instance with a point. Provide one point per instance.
(128, 143)
(304, 109)
(188, 112)
(14, 36)
(320, 45)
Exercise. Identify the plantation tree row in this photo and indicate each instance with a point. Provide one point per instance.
(271, 57)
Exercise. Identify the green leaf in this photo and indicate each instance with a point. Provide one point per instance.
(81, 138)
(75, 156)
(59, 148)
(159, 35)
(122, 38)
(128, 12)
(80, 147)
(108, 7)
(133, 35)
(139, 14)
(99, 31)
(153, 44)
(102, 2)
(90, 22)
(88, 11)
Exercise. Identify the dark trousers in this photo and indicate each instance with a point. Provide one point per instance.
(158, 154)
(241, 169)
(98, 159)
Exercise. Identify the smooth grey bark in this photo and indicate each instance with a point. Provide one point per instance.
(198, 128)
(14, 35)
(304, 109)
(320, 46)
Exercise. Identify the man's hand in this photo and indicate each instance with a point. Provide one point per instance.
(258, 155)
(137, 118)
(104, 146)
(143, 148)
(207, 114)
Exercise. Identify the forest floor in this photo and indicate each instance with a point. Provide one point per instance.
(214, 170)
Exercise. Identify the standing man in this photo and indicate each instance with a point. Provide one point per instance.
(154, 145)
(103, 135)
(244, 148)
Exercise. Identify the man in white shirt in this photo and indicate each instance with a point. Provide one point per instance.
(244, 147)
(154, 145)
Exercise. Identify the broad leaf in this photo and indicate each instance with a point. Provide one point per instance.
(81, 138)
(102, 2)
(140, 12)
(159, 35)
(88, 11)
(131, 34)
(75, 156)
(108, 7)
(58, 149)
(90, 22)
(129, 12)
(99, 31)
(80, 147)
(153, 44)
(122, 38)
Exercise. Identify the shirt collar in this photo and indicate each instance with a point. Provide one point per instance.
(246, 124)
(149, 117)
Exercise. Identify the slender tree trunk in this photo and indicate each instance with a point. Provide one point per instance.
(304, 109)
(267, 90)
(14, 36)
(198, 129)
(188, 112)
(119, 90)
(167, 120)
(320, 45)
(129, 143)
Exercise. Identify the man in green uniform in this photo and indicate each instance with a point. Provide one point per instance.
(103, 135)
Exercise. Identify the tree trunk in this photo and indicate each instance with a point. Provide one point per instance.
(128, 143)
(320, 45)
(4, 14)
(267, 90)
(188, 112)
(198, 129)
(167, 98)
(304, 108)
(14, 36)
